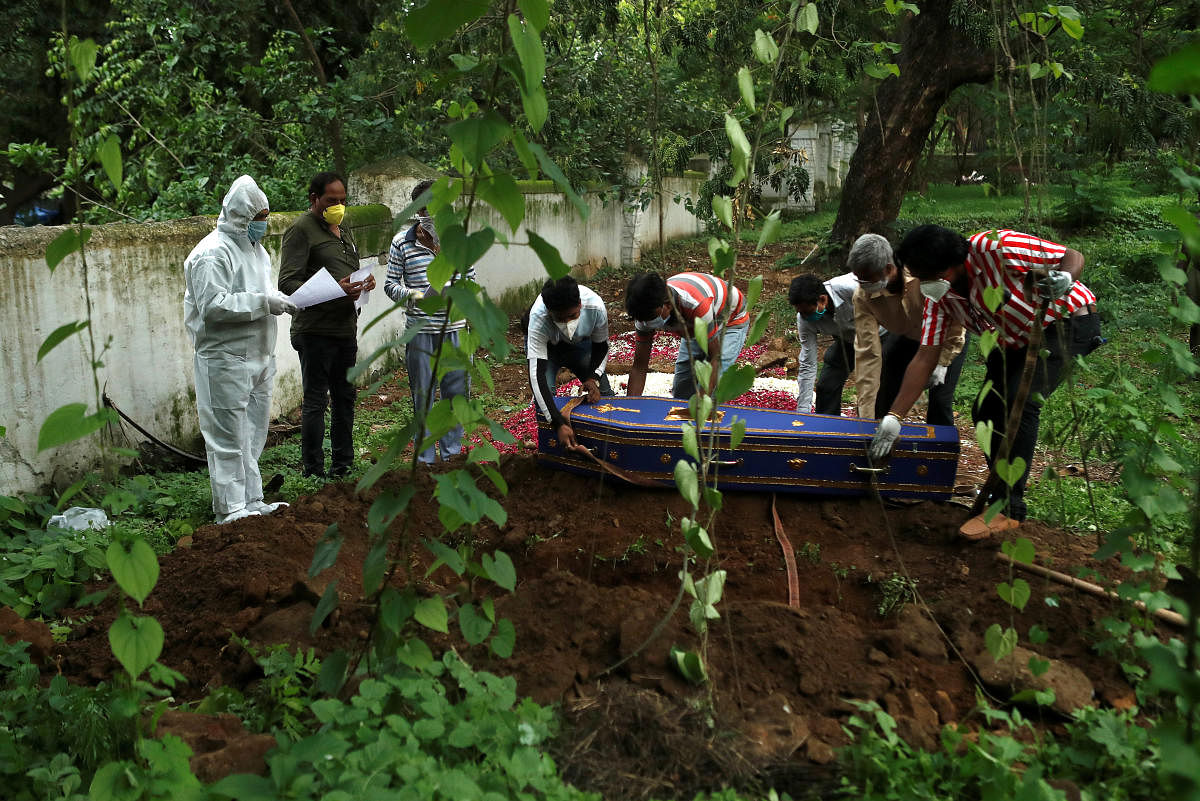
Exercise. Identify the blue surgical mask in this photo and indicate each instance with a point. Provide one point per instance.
(256, 230)
(812, 317)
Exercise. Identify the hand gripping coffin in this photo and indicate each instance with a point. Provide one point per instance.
(640, 439)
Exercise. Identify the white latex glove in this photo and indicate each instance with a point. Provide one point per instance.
(939, 375)
(885, 438)
(278, 303)
(1056, 284)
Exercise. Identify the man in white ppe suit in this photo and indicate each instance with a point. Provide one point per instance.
(230, 306)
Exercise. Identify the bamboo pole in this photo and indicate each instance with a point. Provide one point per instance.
(1165, 615)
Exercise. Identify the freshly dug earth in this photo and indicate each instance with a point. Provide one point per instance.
(597, 566)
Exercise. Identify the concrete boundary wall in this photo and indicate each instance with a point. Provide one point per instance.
(135, 284)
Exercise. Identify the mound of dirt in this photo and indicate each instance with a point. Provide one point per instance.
(597, 567)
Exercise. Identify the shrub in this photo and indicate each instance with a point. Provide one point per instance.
(1092, 199)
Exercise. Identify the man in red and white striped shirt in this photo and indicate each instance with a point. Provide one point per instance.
(981, 283)
(652, 303)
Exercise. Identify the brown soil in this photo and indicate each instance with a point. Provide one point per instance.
(598, 569)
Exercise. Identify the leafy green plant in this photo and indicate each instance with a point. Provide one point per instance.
(895, 592)
(1093, 198)
(53, 737)
(443, 731)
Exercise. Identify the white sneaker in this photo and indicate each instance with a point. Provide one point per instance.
(238, 515)
(265, 508)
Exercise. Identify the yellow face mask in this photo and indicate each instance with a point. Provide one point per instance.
(334, 214)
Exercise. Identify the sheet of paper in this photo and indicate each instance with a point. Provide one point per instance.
(361, 275)
(318, 289)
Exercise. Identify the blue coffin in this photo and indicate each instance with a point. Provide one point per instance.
(780, 452)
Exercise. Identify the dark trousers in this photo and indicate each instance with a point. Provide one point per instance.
(324, 362)
(897, 353)
(576, 358)
(1064, 339)
(838, 363)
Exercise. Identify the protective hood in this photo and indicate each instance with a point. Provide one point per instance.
(241, 204)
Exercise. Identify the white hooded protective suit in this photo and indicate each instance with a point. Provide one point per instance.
(228, 317)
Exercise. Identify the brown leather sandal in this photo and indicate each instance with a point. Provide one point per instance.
(976, 529)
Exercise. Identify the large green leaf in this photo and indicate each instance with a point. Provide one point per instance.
(746, 87)
(537, 13)
(1000, 642)
(83, 57)
(431, 613)
(506, 637)
(109, 155)
(460, 250)
(501, 192)
(476, 136)
(1178, 73)
(328, 602)
(770, 230)
(537, 107)
(764, 47)
(71, 422)
(390, 504)
(735, 380)
(499, 568)
(136, 642)
(374, 566)
(723, 208)
(739, 149)
(1015, 594)
(135, 570)
(59, 335)
(65, 244)
(529, 50)
(687, 483)
(697, 537)
(326, 552)
(436, 19)
(551, 169)
(475, 627)
(808, 18)
(553, 262)
(689, 665)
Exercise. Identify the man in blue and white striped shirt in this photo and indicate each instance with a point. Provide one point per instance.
(568, 327)
(409, 258)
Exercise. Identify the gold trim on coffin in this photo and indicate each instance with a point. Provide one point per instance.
(608, 437)
(928, 433)
(580, 412)
(726, 479)
(605, 408)
(683, 414)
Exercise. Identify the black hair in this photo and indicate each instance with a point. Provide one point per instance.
(929, 250)
(321, 181)
(421, 188)
(561, 295)
(644, 296)
(805, 289)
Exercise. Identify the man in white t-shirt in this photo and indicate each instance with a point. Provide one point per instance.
(568, 327)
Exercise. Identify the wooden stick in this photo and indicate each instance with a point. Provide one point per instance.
(1165, 615)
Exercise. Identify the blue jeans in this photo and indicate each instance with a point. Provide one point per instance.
(324, 362)
(418, 361)
(577, 359)
(684, 385)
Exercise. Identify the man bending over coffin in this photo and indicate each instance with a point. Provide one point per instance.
(891, 297)
(568, 327)
(958, 277)
(823, 308)
(674, 305)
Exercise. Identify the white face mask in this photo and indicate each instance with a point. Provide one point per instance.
(568, 328)
(935, 290)
(657, 322)
(874, 286)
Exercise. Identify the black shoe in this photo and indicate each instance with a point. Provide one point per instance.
(339, 472)
(313, 474)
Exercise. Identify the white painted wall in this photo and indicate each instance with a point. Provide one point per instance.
(135, 282)
(824, 150)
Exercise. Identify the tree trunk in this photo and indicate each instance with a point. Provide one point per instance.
(936, 59)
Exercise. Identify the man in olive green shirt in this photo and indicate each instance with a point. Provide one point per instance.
(326, 335)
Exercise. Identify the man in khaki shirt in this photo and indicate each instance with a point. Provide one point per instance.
(891, 297)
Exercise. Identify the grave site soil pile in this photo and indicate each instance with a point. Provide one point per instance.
(597, 566)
